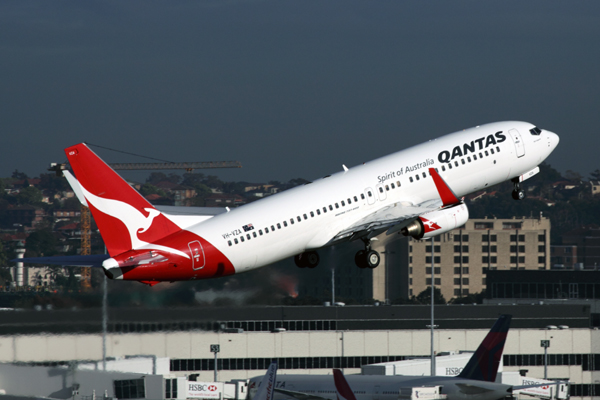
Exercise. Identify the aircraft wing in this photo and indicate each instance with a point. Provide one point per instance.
(396, 216)
(94, 260)
(300, 395)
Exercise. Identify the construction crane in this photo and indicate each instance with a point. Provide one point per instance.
(86, 225)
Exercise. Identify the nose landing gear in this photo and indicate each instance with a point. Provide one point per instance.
(367, 258)
(517, 193)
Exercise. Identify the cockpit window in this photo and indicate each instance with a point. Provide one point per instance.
(535, 131)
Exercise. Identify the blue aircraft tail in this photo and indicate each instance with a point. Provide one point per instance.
(483, 366)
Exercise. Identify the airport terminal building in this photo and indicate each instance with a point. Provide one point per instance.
(308, 340)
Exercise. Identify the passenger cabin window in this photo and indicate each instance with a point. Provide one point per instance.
(260, 232)
(278, 226)
(343, 204)
(336, 205)
(498, 149)
(362, 196)
(305, 217)
(475, 157)
(398, 183)
(330, 207)
(449, 166)
(417, 176)
(273, 227)
(266, 230)
(248, 236)
(380, 190)
(235, 241)
(469, 159)
(254, 234)
(292, 221)
(299, 219)
(486, 153)
(349, 201)
(312, 214)
(392, 184)
(443, 168)
(319, 211)
(242, 238)
(424, 175)
(456, 163)
(492, 151)
(370, 194)
(355, 199)
(463, 161)
(387, 188)
(410, 179)
(285, 223)
(229, 242)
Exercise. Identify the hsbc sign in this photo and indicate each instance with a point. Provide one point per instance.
(204, 390)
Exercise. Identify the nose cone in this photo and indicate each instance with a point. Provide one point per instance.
(553, 140)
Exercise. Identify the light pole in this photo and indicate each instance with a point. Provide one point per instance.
(545, 344)
(432, 302)
(215, 348)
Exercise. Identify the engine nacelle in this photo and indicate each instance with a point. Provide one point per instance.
(437, 222)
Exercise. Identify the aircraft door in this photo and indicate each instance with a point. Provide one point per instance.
(197, 253)
(518, 140)
(370, 195)
(380, 189)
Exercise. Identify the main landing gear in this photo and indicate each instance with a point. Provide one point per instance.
(308, 259)
(517, 193)
(367, 258)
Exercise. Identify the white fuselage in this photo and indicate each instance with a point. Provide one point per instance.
(480, 157)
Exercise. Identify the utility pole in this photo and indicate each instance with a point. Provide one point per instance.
(545, 344)
(432, 303)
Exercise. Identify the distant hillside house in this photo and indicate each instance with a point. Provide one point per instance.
(224, 200)
(26, 216)
(66, 214)
(595, 187)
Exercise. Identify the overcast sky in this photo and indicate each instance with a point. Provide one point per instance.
(291, 88)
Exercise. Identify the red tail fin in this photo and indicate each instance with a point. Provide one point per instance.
(344, 392)
(483, 365)
(126, 219)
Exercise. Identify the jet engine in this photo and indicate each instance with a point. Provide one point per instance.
(437, 222)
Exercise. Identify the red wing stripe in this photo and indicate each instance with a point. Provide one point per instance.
(448, 197)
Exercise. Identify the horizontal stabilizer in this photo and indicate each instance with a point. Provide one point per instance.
(472, 389)
(94, 260)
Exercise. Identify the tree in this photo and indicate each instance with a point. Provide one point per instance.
(29, 195)
(595, 175)
(425, 296)
(19, 175)
(41, 243)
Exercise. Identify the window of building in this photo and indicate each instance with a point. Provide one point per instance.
(541, 260)
(541, 238)
(485, 259)
(484, 225)
(465, 292)
(457, 249)
(465, 270)
(493, 259)
(465, 281)
(485, 249)
(457, 292)
(541, 249)
(457, 281)
(457, 270)
(130, 389)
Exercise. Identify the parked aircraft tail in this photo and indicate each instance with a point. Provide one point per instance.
(483, 366)
(342, 388)
(267, 385)
(126, 220)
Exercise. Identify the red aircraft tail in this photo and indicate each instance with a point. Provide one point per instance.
(344, 392)
(126, 219)
(483, 365)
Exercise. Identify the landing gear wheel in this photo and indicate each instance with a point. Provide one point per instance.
(518, 194)
(372, 259)
(360, 259)
(308, 259)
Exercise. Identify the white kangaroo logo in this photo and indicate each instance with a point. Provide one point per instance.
(133, 219)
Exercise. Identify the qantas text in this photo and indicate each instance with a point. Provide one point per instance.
(471, 147)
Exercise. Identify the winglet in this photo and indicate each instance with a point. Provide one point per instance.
(483, 365)
(344, 392)
(446, 194)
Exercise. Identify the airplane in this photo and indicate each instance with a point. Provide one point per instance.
(267, 385)
(416, 192)
(475, 382)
